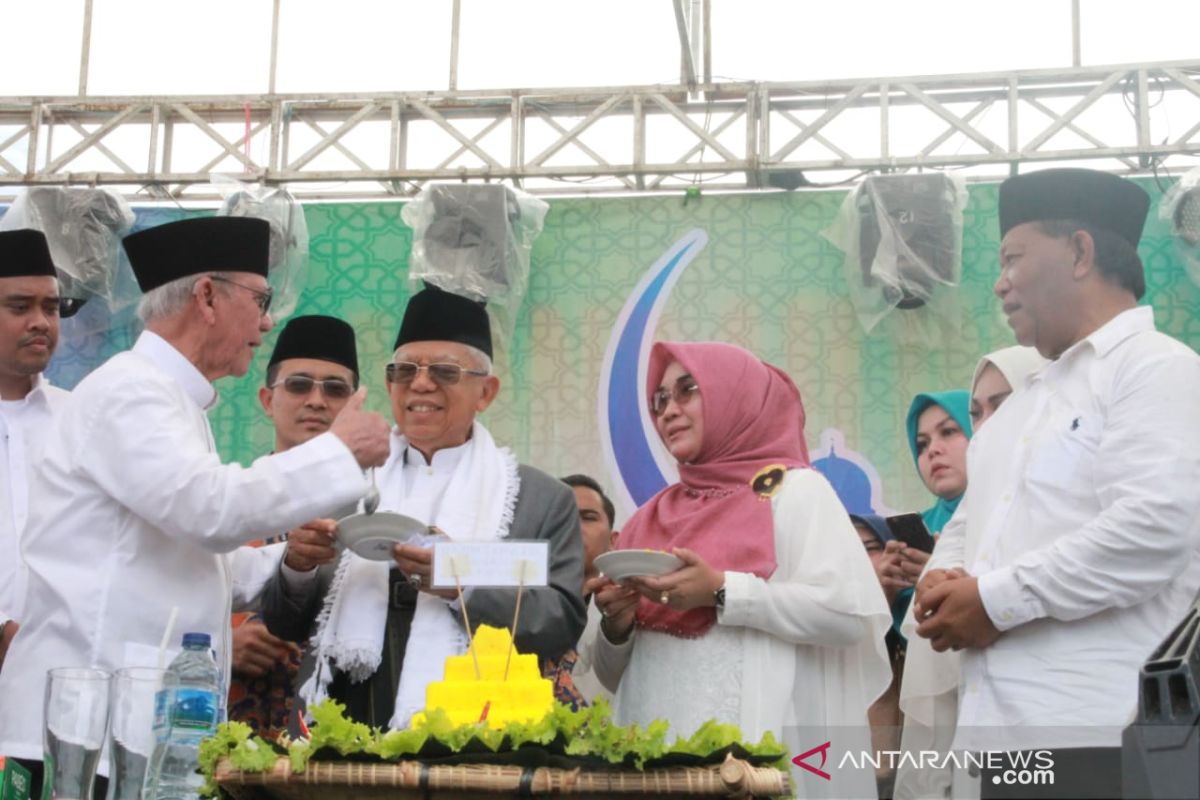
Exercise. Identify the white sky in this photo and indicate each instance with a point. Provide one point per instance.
(223, 46)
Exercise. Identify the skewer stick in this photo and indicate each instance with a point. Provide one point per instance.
(462, 603)
(512, 640)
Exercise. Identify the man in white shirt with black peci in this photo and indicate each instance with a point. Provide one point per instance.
(1076, 549)
(134, 520)
(29, 308)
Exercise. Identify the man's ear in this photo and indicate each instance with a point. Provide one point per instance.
(612, 540)
(266, 397)
(491, 387)
(1084, 247)
(202, 295)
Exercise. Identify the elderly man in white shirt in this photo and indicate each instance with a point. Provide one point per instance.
(133, 516)
(1076, 549)
(29, 307)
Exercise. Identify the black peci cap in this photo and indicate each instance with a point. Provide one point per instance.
(1096, 198)
(437, 315)
(175, 250)
(25, 252)
(320, 337)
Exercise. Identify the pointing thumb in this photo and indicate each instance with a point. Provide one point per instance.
(357, 399)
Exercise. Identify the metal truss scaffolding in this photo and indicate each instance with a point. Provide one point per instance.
(614, 139)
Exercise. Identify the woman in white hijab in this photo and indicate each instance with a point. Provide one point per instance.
(929, 689)
(998, 375)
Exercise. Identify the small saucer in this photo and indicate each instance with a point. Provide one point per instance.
(621, 564)
(372, 536)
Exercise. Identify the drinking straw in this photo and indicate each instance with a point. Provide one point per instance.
(166, 637)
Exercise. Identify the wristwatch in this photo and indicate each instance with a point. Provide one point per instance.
(719, 598)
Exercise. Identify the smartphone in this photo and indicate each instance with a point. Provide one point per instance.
(910, 529)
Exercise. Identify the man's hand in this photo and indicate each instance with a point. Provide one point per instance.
(366, 433)
(921, 605)
(959, 619)
(418, 561)
(256, 651)
(618, 607)
(311, 545)
(690, 586)
(10, 630)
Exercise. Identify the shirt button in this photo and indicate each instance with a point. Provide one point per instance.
(429, 470)
(1006, 616)
(1007, 497)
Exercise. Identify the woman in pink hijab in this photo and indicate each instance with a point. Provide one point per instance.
(775, 622)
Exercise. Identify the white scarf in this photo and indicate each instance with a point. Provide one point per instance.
(477, 506)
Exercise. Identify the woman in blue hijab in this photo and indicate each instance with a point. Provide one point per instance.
(939, 427)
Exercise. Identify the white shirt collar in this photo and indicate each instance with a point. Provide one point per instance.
(37, 392)
(1104, 339)
(444, 460)
(1121, 327)
(163, 355)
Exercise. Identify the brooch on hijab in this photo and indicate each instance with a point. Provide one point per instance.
(766, 481)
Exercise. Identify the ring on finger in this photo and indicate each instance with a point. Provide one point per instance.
(416, 581)
(664, 598)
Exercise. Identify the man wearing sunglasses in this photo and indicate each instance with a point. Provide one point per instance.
(135, 525)
(312, 374)
(445, 470)
(29, 304)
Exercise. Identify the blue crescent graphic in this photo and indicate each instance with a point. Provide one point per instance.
(636, 462)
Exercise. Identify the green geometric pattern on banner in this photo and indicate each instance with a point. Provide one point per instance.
(767, 280)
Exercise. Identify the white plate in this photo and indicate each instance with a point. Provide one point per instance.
(622, 564)
(372, 535)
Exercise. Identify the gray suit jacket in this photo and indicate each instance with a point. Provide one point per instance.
(552, 617)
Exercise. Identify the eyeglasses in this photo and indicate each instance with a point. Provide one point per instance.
(261, 296)
(302, 385)
(405, 372)
(681, 392)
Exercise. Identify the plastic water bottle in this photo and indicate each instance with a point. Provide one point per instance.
(186, 710)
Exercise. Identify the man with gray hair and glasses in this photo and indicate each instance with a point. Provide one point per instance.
(135, 524)
(447, 471)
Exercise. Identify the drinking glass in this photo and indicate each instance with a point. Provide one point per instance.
(76, 721)
(131, 729)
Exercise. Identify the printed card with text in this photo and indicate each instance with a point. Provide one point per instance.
(491, 564)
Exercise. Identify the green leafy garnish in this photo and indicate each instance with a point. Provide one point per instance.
(299, 752)
(615, 743)
(588, 732)
(393, 744)
(330, 728)
(245, 751)
(708, 738)
(438, 725)
(542, 732)
(767, 746)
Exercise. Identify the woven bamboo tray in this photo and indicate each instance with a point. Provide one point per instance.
(341, 780)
